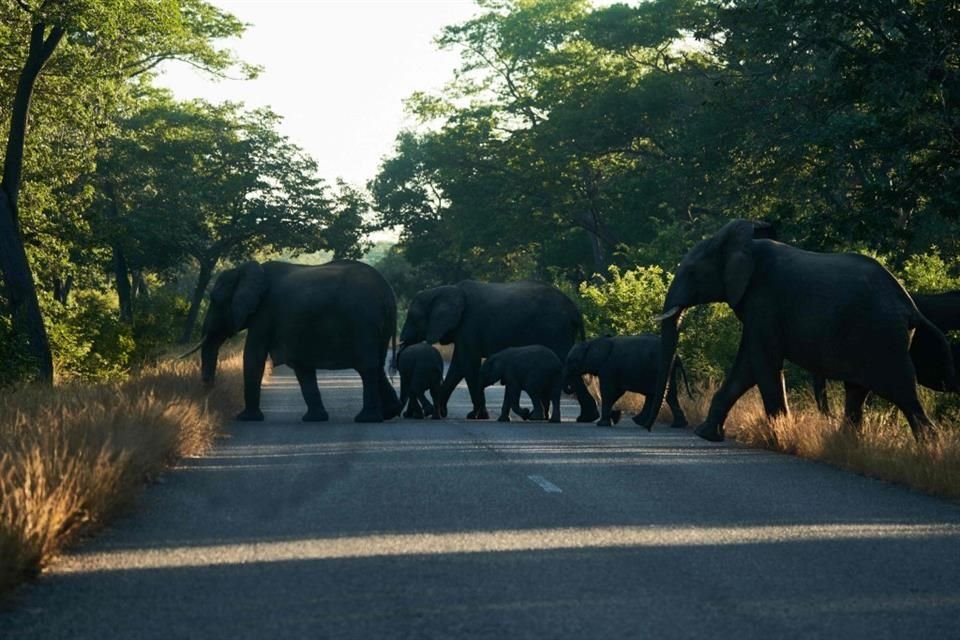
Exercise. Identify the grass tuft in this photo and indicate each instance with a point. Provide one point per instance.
(72, 456)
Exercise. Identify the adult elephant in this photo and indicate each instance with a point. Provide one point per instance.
(339, 315)
(943, 310)
(482, 318)
(840, 316)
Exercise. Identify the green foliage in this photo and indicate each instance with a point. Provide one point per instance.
(88, 340)
(624, 302)
(929, 273)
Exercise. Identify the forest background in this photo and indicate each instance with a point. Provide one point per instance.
(585, 146)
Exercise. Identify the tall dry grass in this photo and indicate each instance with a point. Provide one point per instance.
(882, 448)
(70, 457)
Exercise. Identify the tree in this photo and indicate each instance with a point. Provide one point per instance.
(103, 42)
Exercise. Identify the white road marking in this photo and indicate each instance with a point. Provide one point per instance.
(545, 484)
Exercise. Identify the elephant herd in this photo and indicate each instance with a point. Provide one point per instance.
(839, 316)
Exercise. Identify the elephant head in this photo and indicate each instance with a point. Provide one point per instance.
(434, 316)
(491, 371)
(717, 269)
(235, 296)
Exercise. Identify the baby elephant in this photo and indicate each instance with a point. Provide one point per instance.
(421, 370)
(625, 363)
(534, 369)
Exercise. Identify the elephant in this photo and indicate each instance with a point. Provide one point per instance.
(840, 316)
(421, 370)
(625, 363)
(482, 318)
(943, 310)
(337, 315)
(534, 369)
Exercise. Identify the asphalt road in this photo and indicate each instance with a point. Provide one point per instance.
(456, 529)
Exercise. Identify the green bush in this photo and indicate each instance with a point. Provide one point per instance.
(928, 273)
(88, 340)
(626, 302)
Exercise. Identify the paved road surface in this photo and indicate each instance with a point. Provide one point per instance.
(480, 530)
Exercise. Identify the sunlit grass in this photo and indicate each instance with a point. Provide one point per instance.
(883, 448)
(72, 456)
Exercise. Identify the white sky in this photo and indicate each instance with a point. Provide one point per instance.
(337, 71)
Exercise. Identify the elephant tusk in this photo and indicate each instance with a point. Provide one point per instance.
(669, 313)
(192, 351)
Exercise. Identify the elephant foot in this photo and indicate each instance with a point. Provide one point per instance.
(392, 411)
(555, 418)
(710, 432)
(640, 421)
(525, 414)
(250, 415)
(503, 418)
(615, 416)
(369, 415)
(679, 424)
(436, 415)
(408, 413)
(315, 415)
(442, 411)
(478, 415)
(588, 416)
(604, 422)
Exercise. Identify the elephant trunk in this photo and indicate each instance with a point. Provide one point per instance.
(669, 336)
(209, 353)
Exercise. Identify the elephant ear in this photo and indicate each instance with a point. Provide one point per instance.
(446, 309)
(251, 286)
(596, 353)
(737, 257)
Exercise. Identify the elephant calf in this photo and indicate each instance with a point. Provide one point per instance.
(625, 363)
(421, 370)
(534, 369)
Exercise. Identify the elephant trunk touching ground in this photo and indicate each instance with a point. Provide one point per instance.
(669, 337)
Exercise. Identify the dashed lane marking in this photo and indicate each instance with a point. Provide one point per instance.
(545, 484)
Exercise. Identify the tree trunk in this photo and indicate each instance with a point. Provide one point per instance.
(124, 293)
(18, 279)
(203, 279)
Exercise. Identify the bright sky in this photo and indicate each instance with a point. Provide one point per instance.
(337, 71)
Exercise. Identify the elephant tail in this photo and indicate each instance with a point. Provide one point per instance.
(932, 356)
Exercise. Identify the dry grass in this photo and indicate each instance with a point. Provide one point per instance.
(884, 448)
(73, 455)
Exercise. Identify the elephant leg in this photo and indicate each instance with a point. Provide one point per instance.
(254, 361)
(901, 390)
(511, 398)
(588, 406)
(820, 394)
(766, 364)
(523, 412)
(371, 411)
(428, 408)
(609, 394)
(679, 419)
(555, 401)
(438, 411)
(307, 378)
(855, 397)
(537, 399)
(414, 409)
(389, 404)
(471, 372)
(737, 382)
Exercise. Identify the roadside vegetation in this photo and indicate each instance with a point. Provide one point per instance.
(73, 457)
